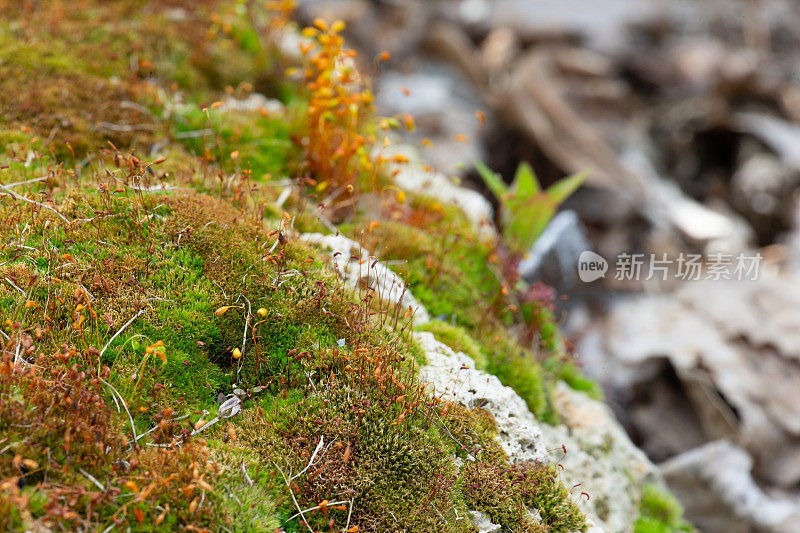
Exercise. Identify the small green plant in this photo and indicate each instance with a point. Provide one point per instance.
(526, 208)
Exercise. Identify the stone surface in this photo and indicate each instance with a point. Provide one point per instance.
(483, 523)
(719, 493)
(254, 102)
(355, 266)
(455, 379)
(610, 469)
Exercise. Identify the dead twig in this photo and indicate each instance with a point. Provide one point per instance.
(26, 182)
(115, 391)
(128, 127)
(246, 475)
(349, 514)
(13, 285)
(310, 461)
(291, 493)
(20, 197)
(318, 507)
(120, 330)
(91, 478)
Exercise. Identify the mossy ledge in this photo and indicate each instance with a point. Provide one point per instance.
(174, 355)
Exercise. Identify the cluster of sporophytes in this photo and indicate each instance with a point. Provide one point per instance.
(336, 149)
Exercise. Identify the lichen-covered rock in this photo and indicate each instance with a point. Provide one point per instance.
(356, 266)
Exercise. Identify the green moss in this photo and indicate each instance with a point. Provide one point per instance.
(246, 507)
(660, 512)
(261, 143)
(46, 58)
(396, 474)
(306, 222)
(10, 139)
(401, 469)
(208, 252)
(543, 490)
(573, 377)
(518, 371)
(393, 239)
(520, 497)
(89, 55)
(524, 497)
(456, 338)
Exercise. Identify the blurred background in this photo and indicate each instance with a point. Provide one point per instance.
(687, 114)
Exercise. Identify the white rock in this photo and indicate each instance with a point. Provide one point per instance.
(289, 43)
(600, 456)
(253, 102)
(355, 266)
(455, 379)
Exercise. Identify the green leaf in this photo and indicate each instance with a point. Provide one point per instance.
(492, 180)
(561, 190)
(525, 183)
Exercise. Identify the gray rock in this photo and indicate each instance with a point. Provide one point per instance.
(611, 470)
(719, 494)
(713, 230)
(456, 379)
(735, 348)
